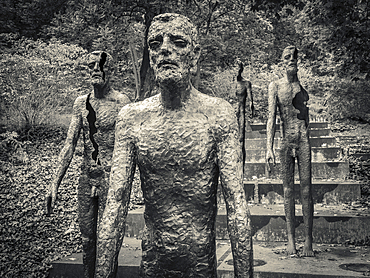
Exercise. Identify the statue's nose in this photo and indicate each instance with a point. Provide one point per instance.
(166, 46)
(96, 66)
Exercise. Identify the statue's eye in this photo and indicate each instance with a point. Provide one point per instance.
(91, 65)
(154, 44)
(180, 43)
(287, 57)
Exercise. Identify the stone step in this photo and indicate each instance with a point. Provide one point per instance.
(269, 191)
(270, 261)
(332, 224)
(262, 133)
(262, 126)
(320, 170)
(319, 154)
(260, 143)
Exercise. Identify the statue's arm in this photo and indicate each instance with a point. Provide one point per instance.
(250, 97)
(112, 226)
(271, 121)
(66, 154)
(238, 217)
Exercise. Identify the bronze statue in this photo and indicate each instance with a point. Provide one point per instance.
(291, 98)
(182, 141)
(243, 93)
(94, 116)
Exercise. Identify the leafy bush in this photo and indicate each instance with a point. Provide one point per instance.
(39, 81)
(350, 100)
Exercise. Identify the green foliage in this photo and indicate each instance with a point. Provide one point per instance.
(27, 18)
(335, 34)
(350, 100)
(11, 148)
(38, 80)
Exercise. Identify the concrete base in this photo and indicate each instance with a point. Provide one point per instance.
(332, 224)
(269, 258)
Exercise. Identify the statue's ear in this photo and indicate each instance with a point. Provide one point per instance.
(196, 55)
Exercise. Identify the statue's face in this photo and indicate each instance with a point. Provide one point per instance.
(172, 51)
(289, 59)
(97, 62)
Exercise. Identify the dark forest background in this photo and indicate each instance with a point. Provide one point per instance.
(43, 42)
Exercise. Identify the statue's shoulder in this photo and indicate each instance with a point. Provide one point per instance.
(143, 107)
(80, 102)
(121, 97)
(214, 105)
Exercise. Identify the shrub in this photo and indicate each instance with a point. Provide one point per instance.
(39, 81)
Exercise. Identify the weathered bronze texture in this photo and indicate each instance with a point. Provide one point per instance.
(291, 98)
(182, 141)
(244, 97)
(94, 117)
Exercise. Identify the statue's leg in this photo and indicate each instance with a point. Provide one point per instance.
(102, 183)
(304, 166)
(287, 162)
(87, 217)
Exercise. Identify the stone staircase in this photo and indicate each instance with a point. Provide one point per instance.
(332, 190)
(330, 166)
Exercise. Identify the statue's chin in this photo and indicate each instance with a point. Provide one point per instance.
(97, 81)
(292, 70)
(171, 77)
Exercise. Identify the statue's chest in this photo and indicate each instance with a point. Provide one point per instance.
(100, 118)
(181, 141)
(287, 92)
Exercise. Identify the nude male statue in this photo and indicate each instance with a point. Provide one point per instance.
(94, 116)
(182, 141)
(243, 96)
(290, 97)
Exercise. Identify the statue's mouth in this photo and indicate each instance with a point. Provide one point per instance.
(167, 64)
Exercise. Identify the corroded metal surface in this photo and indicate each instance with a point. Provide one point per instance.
(94, 117)
(290, 98)
(243, 97)
(182, 141)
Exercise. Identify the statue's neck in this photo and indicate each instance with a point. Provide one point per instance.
(101, 91)
(291, 77)
(174, 96)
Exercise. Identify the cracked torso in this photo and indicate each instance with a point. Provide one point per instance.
(105, 111)
(292, 100)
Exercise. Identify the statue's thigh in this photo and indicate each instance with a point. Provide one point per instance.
(87, 206)
(304, 162)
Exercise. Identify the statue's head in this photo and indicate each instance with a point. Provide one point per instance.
(289, 59)
(100, 65)
(173, 47)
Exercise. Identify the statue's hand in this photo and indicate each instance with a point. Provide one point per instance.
(50, 199)
(270, 158)
(252, 111)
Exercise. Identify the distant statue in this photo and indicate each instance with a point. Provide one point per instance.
(94, 116)
(291, 98)
(182, 141)
(244, 97)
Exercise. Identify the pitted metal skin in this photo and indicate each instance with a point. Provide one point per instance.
(93, 119)
(182, 142)
(287, 95)
(180, 154)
